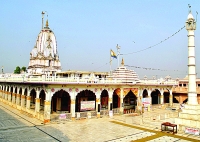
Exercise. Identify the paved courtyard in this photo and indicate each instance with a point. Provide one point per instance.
(16, 126)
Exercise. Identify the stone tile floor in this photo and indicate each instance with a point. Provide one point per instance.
(17, 126)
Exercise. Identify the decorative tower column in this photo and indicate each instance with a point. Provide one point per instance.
(192, 93)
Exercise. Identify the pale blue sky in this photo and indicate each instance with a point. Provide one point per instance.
(86, 30)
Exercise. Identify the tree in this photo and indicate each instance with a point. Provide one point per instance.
(17, 70)
(23, 69)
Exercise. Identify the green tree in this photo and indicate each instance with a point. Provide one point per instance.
(17, 70)
(23, 69)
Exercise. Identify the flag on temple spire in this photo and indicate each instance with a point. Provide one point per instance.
(112, 54)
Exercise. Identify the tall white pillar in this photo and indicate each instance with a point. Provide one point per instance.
(192, 93)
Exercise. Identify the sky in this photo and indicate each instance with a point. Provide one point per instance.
(86, 31)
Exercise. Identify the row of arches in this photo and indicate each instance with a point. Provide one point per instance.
(61, 99)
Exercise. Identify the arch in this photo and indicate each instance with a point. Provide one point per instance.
(25, 94)
(104, 99)
(130, 101)
(15, 90)
(7, 89)
(42, 96)
(20, 92)
(85, 95)
(185, 101)
(33, 96)
(198, 98)
(11, 90)
(145, 94)
(155, 97)
(116, 99)
(61, 101)
(166, 94)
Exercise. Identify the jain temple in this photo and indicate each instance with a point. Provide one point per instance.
(47, 93)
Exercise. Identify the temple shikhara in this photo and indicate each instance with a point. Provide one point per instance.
(44, 57)
(49, 93)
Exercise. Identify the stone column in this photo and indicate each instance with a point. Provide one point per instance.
(72, 93)
(73, 109)
(161, 96)
(18, 99)
(121, 101)
(37, 104)
(9, 94)
(149, 96)
(23, 100)
(37, 101)
(140, 97)
(47, 111)
(23, 97)
(9, 97)
(110, 94)
(28, 101)
(13, 98)
(6, 93)
(170, 98)
(192, 93)
(98, 106)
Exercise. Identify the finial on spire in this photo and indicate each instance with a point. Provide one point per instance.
(189, 8)
(42, 18)
(122, 63)
(47, 23)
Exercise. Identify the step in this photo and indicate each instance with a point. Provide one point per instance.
(191, 111)
(195, 107)
(187, 122)
(189, 116)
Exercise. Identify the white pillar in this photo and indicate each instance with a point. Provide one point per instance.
(73, 103)
(28, 99)
(18, 96)
(161, 96)
(121, 100)
(192, 93)
(170, 98)
(9, 95)
(98, 106)
(37, 101)
(23, 97)
(149, 95)
(6, 93)
(110, 94)
(47, 107)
